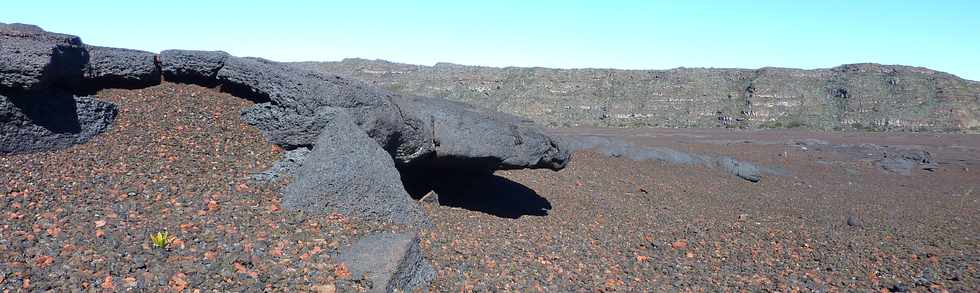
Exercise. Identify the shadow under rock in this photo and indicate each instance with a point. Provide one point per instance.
(56, 113)
(486, 193)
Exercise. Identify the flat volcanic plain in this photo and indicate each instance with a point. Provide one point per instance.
(834, 221)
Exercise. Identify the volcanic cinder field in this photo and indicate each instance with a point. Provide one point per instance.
(199, 171)
(179, 159)
(834, 221)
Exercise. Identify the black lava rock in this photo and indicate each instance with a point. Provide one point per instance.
(36, 62)
(120, 68)
(30, 125)
(392, 262)
(349, 173)
(854, 221)
(197, 67)
(415, 131)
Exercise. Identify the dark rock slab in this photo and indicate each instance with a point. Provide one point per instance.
(187, 66)
(413, 130)
(293, 97)
(471, 138)
(33, 61)
(120, 68)
(740, 169)
(904, 163)
(388, 262)
(289, 100)
(51, 123)
(348, 173)
(898, 166)
(620, 148)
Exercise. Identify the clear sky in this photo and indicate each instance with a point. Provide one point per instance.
(943, 35)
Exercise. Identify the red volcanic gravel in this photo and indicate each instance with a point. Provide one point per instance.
(177, 159)
(618, 225)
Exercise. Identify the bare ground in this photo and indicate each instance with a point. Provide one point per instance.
(620, 225)
(178, 160)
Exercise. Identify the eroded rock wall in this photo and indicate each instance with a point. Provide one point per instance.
(856, 96)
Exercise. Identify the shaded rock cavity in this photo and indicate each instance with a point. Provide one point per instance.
(51, 123)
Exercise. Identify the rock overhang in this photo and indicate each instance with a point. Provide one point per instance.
(292, 107)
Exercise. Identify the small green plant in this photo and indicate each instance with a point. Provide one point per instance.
(160, 239)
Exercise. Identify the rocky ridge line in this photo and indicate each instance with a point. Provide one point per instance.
(867, 97)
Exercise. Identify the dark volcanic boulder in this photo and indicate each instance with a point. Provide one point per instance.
(33, 61)
(389, 262)
(415, 131)
(467, 137)
(38, 72)
(51, 123)
(903, 163)
(120, 68)
(197, 67)
(347, 172)
(294, 95)
(289, 100)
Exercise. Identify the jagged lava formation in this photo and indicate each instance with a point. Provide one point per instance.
(366, 143)
(869, 97)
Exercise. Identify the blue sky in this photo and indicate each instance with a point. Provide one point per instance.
(943, 35)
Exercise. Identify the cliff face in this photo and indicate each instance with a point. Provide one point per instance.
(856, 96)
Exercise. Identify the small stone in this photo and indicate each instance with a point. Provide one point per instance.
(390, 261)
(431, 197)
(853, 221)
(679, 244)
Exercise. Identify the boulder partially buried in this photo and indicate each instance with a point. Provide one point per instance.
(389, 262)
(347, 172)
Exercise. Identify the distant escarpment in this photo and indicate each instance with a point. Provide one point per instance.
(856, 96)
